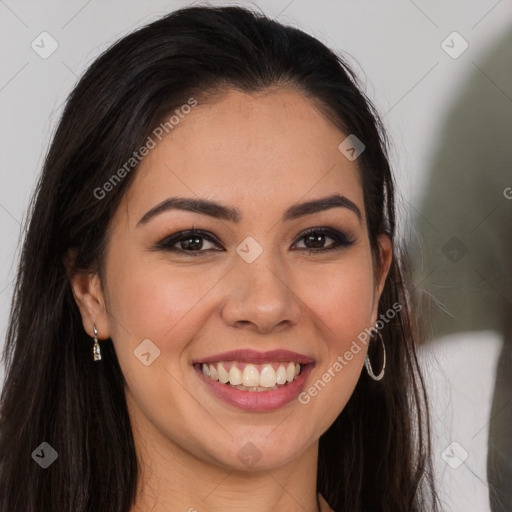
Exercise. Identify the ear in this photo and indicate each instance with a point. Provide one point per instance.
(86, 287)
(386, 257)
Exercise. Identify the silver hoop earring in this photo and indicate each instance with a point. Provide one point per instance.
(96, 349)
(368, 364)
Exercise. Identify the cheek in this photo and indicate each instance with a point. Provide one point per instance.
(152, 298)
(153, 301)
(341, 295)
(341, 300)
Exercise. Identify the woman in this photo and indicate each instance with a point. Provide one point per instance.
(210, 262)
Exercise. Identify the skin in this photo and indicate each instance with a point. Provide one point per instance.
(261, 153)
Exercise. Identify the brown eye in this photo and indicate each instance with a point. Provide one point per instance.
(189, 242)
(315, 239)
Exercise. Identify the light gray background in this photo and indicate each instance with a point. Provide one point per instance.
(394, 46)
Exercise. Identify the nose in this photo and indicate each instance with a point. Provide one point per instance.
(260, 297)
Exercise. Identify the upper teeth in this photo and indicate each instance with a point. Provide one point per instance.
(266, 375)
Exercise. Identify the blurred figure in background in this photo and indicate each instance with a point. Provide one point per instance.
(463, 252)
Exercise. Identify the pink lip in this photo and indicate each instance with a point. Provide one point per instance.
(253, 356)
(253, 400)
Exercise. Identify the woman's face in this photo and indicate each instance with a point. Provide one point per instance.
(244, 292)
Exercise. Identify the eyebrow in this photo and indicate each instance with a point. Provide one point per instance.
(219, 211)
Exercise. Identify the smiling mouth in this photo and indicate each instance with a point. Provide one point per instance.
(252, 377)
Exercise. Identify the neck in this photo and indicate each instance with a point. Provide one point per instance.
(173, 479)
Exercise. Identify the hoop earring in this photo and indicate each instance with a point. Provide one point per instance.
(368, 364)
(96, 349)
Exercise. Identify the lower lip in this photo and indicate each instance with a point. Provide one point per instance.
(257, 400)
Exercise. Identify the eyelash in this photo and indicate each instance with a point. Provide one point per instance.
(167, 244)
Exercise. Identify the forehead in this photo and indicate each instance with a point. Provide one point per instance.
(253, 150)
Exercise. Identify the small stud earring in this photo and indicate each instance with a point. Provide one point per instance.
(96, 349)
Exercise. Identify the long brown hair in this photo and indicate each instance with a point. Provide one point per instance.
(375, 456)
